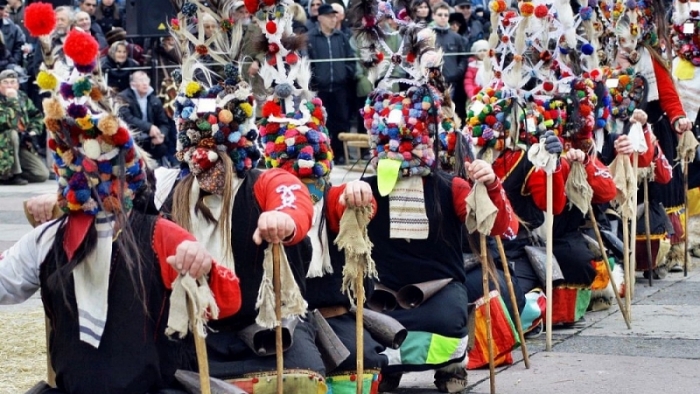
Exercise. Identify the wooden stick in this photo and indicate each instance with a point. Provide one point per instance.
(51, 374)
(201, 349)
(277, 284)
(620, 305)
(359, 329)
(513, 301)
(647, 227)
(549, 222)
(633, 229)
(626, 264)
(487, 305)
(685, 222)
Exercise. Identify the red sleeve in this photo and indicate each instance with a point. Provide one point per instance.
(269, 191)
(646, 157)
(663, 172)
(668, 96)
(536, 183)
(222, 281)
(335, 210)
(506, 224)
(601, 181)
(460, 191)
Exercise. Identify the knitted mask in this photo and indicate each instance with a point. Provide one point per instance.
(402, 127)
(213, 122)
(300, 144)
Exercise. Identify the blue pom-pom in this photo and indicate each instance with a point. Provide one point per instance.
(82, 195)
(103, 188)
(234, 137)
(133, 170)
(104, 167)
(600, 123)
(318, 170)
(219, 137)
(587, 49)
(187, 112)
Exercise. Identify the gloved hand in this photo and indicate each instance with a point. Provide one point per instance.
(552, 143)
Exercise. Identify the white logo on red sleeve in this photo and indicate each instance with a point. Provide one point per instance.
(288, 196)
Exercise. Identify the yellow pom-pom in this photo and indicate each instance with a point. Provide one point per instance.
(192, 88)
(248, 109)
(46, 81)
(85, 122)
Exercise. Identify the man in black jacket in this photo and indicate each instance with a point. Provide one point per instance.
(454, 66)
(143, 111)
(13, 36)
(331, 79)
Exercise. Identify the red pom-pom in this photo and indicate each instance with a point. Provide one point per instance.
(490, 120)
(130, 155)
(380, 57)
(52, 144)
(39, 19)
(541, 11)
(292, 58)
(121, 137)
(410, 57)
(584, 110)
(271, 60)
(271, 27)
(81, 47)
(251, 6)
(70, 196)
(548, 86)
(271, 108)
(273, 48)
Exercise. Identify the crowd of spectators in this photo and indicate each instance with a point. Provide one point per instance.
(139, 70)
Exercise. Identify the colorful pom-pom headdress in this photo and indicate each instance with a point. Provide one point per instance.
(686, 30)
(98, 165)
(403, 126)
(215, 110)
(293, 125)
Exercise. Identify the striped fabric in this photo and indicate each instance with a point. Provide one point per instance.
(91, 281)
(407, 215)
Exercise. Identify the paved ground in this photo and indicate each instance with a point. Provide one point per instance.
(660, 354)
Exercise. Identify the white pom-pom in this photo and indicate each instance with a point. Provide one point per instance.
(306, 163)
(289, 141)
(215, 128)
(92, 148)
(212, 156)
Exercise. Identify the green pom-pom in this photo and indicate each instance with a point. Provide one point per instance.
(203, 125)
(82, 87)
(476, 131)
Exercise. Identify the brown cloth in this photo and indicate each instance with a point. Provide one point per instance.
(482, 211)
(353, 239)
(579, 192)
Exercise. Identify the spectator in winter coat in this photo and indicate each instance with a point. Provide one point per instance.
(144, 114)
(473, 79)
(475, 29)
(108, 15)
(113, 66)
(312, 11)
(332, 78)
(14, 38)
(454, 66)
